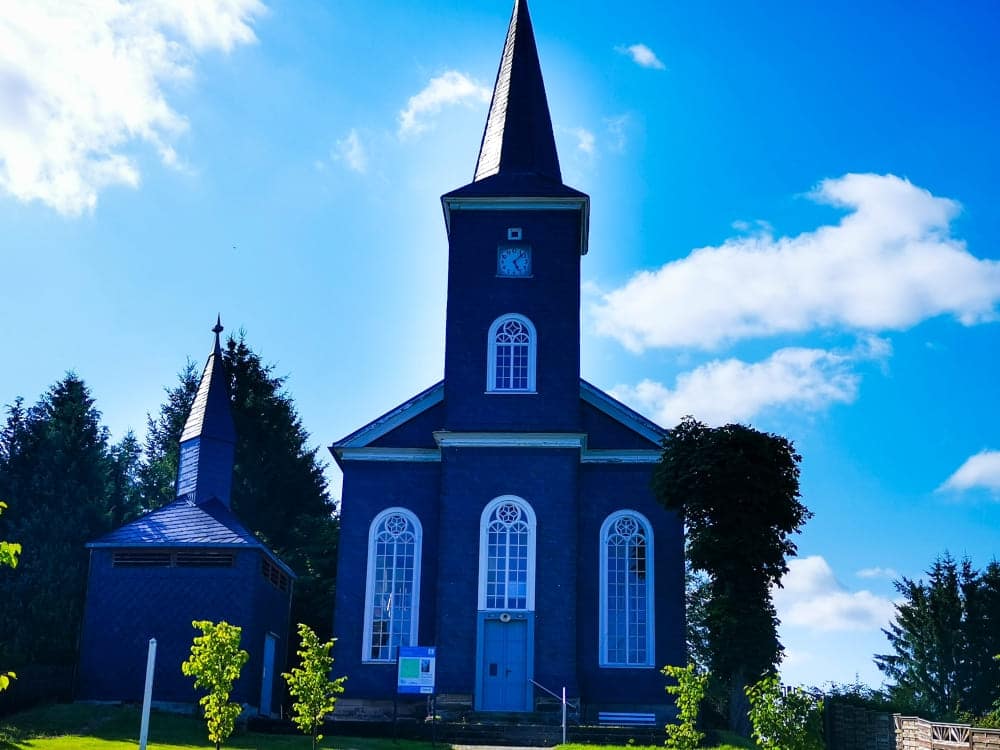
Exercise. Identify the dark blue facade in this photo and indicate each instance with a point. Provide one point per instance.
(126, 606)
(516, 470)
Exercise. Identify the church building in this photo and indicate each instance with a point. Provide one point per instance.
(190, 560)
(504, 515)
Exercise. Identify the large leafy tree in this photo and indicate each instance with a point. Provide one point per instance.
(944, 635)
(738, 491)
(57, 470)
(279, 490)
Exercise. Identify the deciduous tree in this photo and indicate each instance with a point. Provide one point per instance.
(738, 491)
(310, 684)
(215, 663)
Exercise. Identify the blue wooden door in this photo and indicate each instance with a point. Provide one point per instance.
(505, 666)
(267, 675)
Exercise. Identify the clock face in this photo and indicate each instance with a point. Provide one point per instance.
(514, 260)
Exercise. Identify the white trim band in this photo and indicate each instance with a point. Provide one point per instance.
(447, 439)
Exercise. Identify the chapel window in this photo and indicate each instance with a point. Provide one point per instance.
(393, 585)
(511, 355)
(507, 555)
(626, 618)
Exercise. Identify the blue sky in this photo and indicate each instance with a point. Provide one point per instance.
(794, 225)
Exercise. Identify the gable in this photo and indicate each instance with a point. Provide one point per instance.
(611, 425)
(416, 432)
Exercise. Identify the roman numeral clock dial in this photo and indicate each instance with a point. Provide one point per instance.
(514, 260)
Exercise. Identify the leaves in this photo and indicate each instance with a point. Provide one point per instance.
(310, 683)
(215, 662)
(790, 720)
(689, 692)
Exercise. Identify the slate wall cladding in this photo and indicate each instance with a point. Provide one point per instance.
(550, 299)
(369, 488)
(605, 433)
(546, 479)
(604, 489)
(416, 433)
(128, 606)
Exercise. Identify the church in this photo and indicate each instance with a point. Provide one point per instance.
(504, 515)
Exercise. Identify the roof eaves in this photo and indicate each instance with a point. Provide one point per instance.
(621, 413)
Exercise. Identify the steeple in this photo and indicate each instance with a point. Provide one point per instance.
(518, 137)
(208, 442)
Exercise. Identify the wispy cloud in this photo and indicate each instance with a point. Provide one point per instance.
(641, 55)
(889, 264)
(981, 471)
(79, 83)
(351, 151)
(732, 390)
(813, 598)
(617, 135)
(878, 572)
(448, 89)
(585, 140)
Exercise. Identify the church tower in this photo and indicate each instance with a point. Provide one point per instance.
(504, 516)
(515, 234)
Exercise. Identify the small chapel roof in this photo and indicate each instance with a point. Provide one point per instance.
(517, 156)
(210, 415)
(182, 522)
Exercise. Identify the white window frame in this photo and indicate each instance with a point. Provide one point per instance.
(484, 522)
(370, 583)
(647, 528)
(491, 354)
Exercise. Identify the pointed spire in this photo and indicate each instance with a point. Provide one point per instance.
(518, 137)
(208, 441)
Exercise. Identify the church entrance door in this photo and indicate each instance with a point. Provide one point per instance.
(504, 664)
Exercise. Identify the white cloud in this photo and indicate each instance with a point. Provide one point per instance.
(877, 572)
(447, 89)
(889, 264)
(585, 140)
(642, 55)
(80, 82)
(813, 598)
(732, 390)
(617, 135)
(980, 471)
(351, 151)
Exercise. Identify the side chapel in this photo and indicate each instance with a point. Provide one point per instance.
(190, 560)
(504, 515)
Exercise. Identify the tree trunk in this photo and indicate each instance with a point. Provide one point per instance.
(739, 706)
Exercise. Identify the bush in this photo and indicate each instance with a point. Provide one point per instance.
(689, 691)
(789, 721)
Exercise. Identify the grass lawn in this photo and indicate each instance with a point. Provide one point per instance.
(83, 727)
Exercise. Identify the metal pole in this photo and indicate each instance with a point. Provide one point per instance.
(564, 714)
(147, 697)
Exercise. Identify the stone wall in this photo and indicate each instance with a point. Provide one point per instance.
(913, 733)
(855, 728)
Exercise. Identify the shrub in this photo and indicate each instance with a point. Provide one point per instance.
(789, 721)
(688, 692)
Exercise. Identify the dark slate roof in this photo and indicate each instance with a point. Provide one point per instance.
(182, 522)
(210, 415)
(518, 151)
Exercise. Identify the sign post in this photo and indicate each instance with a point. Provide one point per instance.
(147, 696)
(415, 676)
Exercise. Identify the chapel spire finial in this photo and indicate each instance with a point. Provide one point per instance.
(217, 328)
(518, 137)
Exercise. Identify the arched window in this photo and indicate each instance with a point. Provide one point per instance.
(510, 356)
(507, 555)
(626, 619)
(392, 592)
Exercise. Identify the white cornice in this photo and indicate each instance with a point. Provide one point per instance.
(447, 439)
(515, 203)
(418, 455)
(628, 456)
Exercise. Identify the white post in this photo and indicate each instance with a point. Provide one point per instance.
(564, 713)
(147, 695)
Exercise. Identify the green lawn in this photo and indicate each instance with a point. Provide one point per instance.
(83, 727)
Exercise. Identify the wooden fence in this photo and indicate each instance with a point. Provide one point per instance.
(913, 733)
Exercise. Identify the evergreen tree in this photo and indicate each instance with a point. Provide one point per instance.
(158, 473)
(56, 470)
(944, 636)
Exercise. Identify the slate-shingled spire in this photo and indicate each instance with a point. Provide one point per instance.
(518, 137)
(208, 443)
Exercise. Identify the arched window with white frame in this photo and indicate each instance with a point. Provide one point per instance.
(392, 590)
(510, 355)
(626, 598)
(507, 555)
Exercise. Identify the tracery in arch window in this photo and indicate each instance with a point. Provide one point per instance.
(393, 584)
(511, 355)
(507, 551)
(626, 590)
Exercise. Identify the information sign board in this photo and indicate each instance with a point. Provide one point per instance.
(416, 669)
